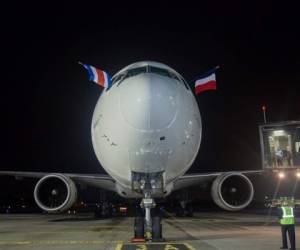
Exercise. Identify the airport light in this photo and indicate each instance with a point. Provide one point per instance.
(278, 133)
(281, 175)
(298, 174)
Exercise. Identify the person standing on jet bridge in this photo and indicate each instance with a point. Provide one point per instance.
(279, 156)
(287, 222)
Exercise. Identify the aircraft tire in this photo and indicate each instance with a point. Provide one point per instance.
(139, 227)
(190, 212)
(156, 228)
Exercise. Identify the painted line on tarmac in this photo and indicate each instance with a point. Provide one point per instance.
(154, 246)
(58, 242)
(104, 226)
(120, 244)
(189, 246)
(65, 231)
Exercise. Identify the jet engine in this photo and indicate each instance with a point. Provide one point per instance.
(232, 191)
(55, 193)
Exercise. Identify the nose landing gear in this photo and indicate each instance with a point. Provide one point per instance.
(147, 228)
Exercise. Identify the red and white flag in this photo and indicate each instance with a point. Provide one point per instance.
(206, 81)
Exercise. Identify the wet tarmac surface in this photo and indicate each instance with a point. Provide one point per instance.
(215, 230)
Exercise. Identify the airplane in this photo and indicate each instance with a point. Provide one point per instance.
(146, 132)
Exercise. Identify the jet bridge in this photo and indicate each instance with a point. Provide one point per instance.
(280, 147)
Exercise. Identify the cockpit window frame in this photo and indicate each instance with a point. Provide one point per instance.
(160, 71)
(122, 76)
(185, 84)
(118, 79)
(136, 71)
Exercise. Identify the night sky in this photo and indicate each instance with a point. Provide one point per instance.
(47, 101)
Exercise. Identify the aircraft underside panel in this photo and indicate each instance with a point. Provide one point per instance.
(148, 162)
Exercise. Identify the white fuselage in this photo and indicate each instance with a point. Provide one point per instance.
(146, 123)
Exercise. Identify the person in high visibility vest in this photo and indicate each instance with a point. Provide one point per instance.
(287, 222)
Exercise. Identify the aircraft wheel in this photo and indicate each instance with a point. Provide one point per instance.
(139, 227)
(190, 212)
(156, 229)
(180, 212)
(97, 214)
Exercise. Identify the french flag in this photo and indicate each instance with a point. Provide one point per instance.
(98, 76)
(206, 81)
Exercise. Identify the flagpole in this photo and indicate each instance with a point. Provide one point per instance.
(264, 113)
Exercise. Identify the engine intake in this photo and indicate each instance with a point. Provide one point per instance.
(232, 191)
(55, 193)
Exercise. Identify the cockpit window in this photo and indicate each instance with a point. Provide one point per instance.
(129, 73)
(159, 71)
(185, 84)
(164, 72)
(148, 69)
(136, 71)
(117, 79)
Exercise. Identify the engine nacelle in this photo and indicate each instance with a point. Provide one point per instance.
(232, 191)
(55, 193)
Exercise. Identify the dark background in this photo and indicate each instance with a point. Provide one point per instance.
(47, 101)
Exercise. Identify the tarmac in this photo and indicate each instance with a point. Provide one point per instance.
(214, 230)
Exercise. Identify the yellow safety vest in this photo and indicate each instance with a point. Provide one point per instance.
(287, 216)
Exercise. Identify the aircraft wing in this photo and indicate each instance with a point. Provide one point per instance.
(106, 182)
(101, 181)
(194, 179)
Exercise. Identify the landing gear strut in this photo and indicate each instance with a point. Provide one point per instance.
(148, 203)
(148, 228)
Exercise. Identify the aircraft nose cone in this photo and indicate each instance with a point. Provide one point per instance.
(149, 101)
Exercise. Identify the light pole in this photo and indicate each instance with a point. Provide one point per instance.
(264, 113)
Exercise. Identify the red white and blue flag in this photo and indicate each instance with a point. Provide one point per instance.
(98, 76)
(207, 81)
